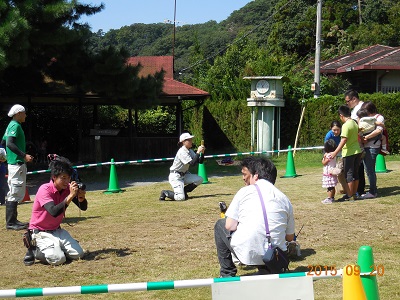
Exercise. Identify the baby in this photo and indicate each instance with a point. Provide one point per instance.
(367, 124)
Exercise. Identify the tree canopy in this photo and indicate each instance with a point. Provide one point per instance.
(276, 34)
(43, 41)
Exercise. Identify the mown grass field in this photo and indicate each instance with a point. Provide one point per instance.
(133, 237)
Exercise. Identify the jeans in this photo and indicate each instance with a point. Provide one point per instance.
(3, 183)
(224, 249)
(369, 164)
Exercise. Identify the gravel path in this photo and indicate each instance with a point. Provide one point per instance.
(35, 180)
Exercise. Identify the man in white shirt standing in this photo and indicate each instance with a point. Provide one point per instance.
(353, 102)
(242, 233)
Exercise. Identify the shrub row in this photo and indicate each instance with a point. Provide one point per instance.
(226, 125)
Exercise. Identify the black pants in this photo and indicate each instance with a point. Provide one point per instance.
(224, 249)
(361, 182)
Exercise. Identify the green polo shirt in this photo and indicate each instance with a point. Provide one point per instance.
(14, 129)
(350, 131)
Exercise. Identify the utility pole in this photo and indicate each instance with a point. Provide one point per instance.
(359, 12)
(173, 42)
(316, 85)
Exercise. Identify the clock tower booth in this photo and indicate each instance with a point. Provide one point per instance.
(266, 100)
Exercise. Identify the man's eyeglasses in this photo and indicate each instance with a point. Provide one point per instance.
(348, 100)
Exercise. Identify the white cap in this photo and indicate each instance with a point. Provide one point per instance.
(185, 136)
(15, 109)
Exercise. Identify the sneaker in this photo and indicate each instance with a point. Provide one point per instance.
(162, 196)
(356, 196)
(344, 198)
(327, 201)
(368, 195)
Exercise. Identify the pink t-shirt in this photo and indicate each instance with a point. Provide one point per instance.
(41, 219)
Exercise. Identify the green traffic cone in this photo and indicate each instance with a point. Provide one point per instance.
(203, 173)
(366, 263)
(290, 169)
(113, 186)
(380, 166)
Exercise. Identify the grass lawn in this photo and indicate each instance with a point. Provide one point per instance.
(132, 237)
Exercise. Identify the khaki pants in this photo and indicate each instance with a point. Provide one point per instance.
(54, 247)
(16, 182)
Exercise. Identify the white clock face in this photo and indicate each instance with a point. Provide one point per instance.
(262, 86)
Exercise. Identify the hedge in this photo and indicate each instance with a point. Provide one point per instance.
(225, 125)
(322, 111)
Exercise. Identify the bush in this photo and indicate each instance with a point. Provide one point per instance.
(226, 125)
(322, 111)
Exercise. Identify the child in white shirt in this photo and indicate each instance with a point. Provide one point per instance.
(329, 177)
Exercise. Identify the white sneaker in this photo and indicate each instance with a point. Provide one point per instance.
(327, 201)
(368, 195)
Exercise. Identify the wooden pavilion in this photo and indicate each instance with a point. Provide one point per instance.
(107, 141)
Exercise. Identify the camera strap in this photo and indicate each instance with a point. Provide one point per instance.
(265, 215)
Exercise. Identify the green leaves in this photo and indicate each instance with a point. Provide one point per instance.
(32, 34)
(43, 48)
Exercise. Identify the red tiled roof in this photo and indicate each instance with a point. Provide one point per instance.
(174, 87)
(377, 57)
(153, 64)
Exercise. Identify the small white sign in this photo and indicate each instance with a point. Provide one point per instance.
(296, 288)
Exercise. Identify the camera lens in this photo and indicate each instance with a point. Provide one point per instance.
(81, 186)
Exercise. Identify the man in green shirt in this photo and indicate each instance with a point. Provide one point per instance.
(14, 142)
(351, 151)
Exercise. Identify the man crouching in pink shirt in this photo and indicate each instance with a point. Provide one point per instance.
(54, 244)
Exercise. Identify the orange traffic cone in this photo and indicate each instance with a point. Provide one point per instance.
(352, 286)
(26, 197)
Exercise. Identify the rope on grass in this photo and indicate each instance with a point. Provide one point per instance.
(157, 285)
(172, 158)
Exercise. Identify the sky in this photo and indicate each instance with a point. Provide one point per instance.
(118, 13)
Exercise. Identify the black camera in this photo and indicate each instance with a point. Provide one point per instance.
(222, 206)
(81, 186)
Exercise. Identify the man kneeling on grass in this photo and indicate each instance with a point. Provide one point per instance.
(53, 245)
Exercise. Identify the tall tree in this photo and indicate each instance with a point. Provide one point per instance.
(42, 41)
(33, 33)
